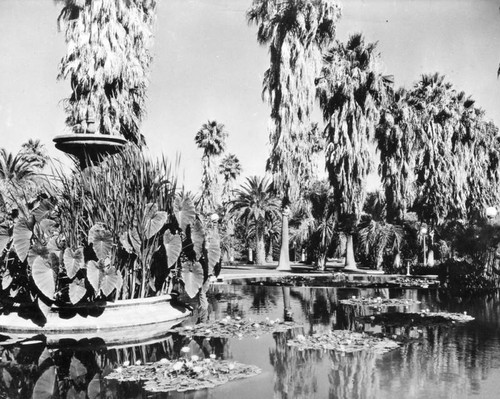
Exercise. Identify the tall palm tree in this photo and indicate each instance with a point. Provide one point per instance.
(211, 138)
(256, 205)
(296, 32)
(230, 169)
(396, 142)
(107, 62)
(351, 91)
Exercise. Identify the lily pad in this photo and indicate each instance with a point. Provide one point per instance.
(184, 375)
(235, 328)
(423, 318)
(344, 341)
(378, 302)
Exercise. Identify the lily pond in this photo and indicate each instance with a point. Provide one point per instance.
(283, 342)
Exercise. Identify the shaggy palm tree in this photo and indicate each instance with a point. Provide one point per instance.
(107, 62)
(230, 169)
(256, 205)
(351, 91)
(396, 143)
(296, 32)
(453, 135)
(211, 138)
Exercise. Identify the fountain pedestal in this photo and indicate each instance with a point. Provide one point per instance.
(89, 148)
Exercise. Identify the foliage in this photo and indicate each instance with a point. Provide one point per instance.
(107, 62)
(464, 278)
(100, 238)
(184, 375)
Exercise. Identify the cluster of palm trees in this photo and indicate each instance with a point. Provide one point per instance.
(438, 152)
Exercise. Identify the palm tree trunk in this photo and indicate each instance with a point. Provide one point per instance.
(270, 252)
(350, 263)
(287, 306)
(321, 261)
(284, 261)
(260, 247)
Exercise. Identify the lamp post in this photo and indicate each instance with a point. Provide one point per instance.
(491, 212)
(423, 232)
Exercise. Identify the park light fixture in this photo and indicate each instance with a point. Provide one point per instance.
(491, 212)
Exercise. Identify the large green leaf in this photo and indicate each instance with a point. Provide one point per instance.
(101, 240)
(173, 247)
(94, 275)
(6, 280)
(73, 261)
(44, 277)
(76, 369)
(94, 388)
(155, 224)
(135, 240)
(48, 227)
(77, 290)
(184, 211)
(45, 387)
(4, 236)
(44, 308)
(22, 238)
(35, 251)
(124, 241)
(197, 237)
(192, 275)
(213, 249)
(44, 208)
(111, 279)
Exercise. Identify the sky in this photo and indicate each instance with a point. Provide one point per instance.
(208, 65)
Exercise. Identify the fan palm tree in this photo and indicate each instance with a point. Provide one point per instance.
(296, 32)
(351, 92)
(211, 138)
(396, 142)
(453, 135)
(107, 62)
(230, 169)
(256, 205)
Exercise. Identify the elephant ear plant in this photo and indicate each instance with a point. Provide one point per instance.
(117, 231)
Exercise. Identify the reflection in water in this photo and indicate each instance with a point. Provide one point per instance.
(295, 371)
(438, 361)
